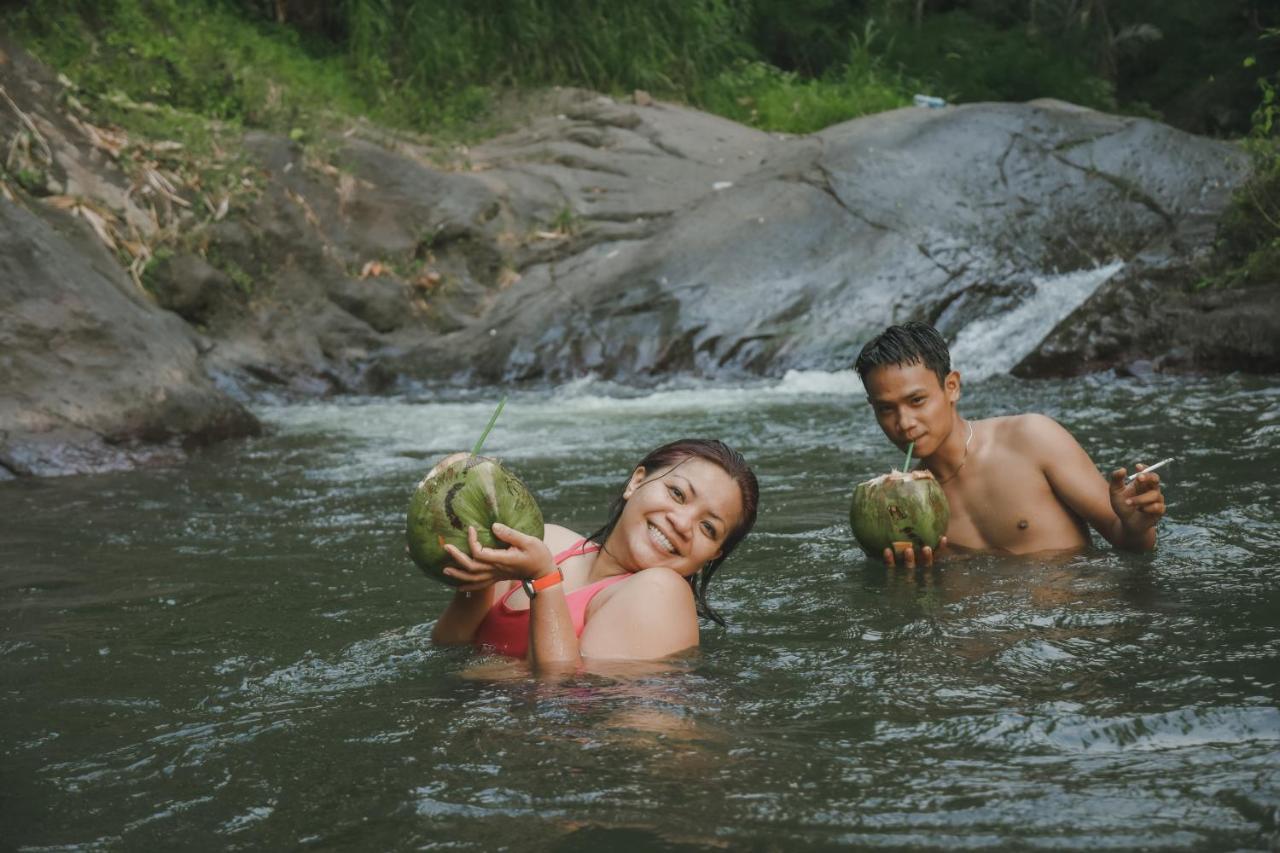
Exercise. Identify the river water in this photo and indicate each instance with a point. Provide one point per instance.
(234, 654)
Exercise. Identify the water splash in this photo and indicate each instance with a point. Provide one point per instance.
(994, 345)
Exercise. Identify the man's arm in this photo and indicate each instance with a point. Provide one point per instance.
(1125, 515)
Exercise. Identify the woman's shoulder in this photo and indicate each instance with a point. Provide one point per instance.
(656, 590)
(558, 538)
(650, 615)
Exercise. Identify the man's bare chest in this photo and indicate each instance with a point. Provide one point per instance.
(1010, 508)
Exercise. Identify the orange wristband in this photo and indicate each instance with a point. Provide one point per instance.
(532, 588)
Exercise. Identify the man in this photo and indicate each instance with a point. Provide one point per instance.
(1015, 484)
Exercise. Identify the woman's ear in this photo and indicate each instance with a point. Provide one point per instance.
(637, 477)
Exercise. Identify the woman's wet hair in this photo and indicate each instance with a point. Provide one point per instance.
(910, 343)
(659, 461)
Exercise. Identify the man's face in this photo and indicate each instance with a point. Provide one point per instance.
(911, 405)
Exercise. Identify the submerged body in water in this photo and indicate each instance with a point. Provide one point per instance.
(194, 657)
(1016, 484)
(684, 509)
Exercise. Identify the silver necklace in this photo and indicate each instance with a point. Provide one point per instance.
(964, 458)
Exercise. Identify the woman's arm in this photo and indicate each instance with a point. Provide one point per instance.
(458, 623)
(552, 642)
(650, 616)
(473, 599)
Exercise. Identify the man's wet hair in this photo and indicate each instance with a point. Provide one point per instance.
(911, 343)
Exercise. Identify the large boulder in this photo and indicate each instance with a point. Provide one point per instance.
(93, 376)
(994, 221)
(620, 239)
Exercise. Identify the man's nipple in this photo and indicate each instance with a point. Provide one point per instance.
(1022, 524)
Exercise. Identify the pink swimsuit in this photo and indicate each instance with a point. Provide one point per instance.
(506, 631)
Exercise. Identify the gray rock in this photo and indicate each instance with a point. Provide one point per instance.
(188, 286)
(790, 253)
(93, 377)
(624, 240)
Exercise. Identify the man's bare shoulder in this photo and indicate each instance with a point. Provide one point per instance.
(1028, 430)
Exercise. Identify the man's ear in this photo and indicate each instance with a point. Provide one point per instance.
(637, 477)
(952, 386)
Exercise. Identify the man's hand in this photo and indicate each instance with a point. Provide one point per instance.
(908, 554)
(527, 558)
(1140, 504)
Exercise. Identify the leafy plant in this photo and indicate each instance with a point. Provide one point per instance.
(962, 57)
(765, 96)
(1248, 245)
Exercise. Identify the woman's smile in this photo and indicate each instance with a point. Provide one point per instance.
(661, 539)
(677, 517)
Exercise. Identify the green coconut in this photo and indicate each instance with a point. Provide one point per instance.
(899, 509)
(464, 490)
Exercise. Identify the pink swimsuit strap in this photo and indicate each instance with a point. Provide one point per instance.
(577, 549)
(506, 630)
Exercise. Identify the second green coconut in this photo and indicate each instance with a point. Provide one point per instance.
(899, 509)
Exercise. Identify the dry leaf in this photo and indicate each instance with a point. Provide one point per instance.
(136, 248)
(99, 225)
(427, 281)
(307, 212)
(101, 139)
(374, 268)
(62, 202)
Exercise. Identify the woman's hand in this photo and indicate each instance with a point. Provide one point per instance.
(527, 558)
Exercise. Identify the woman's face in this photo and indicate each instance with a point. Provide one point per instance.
(676, 517)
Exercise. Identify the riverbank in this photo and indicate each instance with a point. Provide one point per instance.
(631, 239)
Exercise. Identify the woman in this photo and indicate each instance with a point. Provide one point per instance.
(633, 590)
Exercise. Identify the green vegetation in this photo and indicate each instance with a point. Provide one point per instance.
(164, 68)
(962, 57)
(434, 62)
(765, 96)
(170, 84)
(790, 65)
(566, 222)
(1248, 246)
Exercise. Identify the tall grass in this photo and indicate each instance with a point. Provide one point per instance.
(1247, 251)
(200, 58)
(793, 65)
(767, 97)
(427, 57)
(963, 58)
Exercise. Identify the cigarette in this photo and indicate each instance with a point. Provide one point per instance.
(1148, 469)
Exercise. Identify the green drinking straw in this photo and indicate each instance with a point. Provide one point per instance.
(905, 465)
(475, 451)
